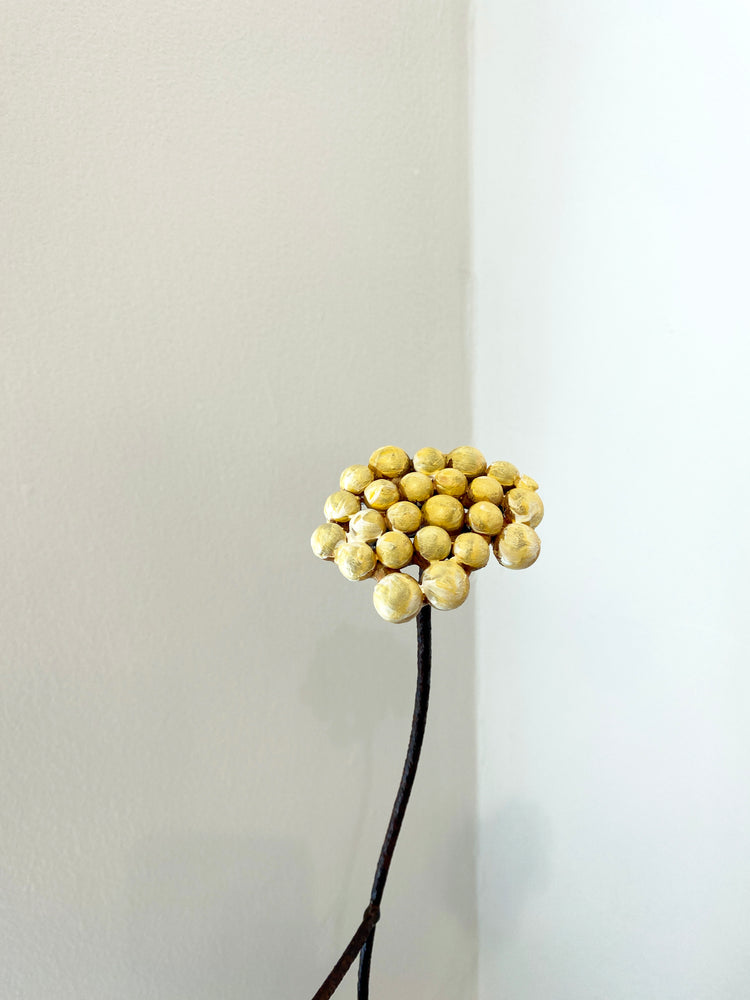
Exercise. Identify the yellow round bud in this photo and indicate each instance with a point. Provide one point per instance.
(485, 518)
(325, 539)
(340, 506)
(517, 546)
(527, 482)
(524, 506)
(485, 488)
(468, 460)
(416, 486)
(366, 526)
(429, 461)
(381, 494)
(445, 585)
(397, 597)
(504, 472)
(355, 478)
(451, 482)
(444, 511)
(404, 516)
(390, 462)
(356, 560)
(433, 543)
(394, 549)
(471, 550)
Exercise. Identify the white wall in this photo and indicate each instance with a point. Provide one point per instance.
(235, 258)
(612, 212)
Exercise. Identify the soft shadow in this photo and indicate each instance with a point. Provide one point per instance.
(214, 918)
(457, 867)
(515, 847)
(358, 677)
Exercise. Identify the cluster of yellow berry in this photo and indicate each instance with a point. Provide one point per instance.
(438, 512)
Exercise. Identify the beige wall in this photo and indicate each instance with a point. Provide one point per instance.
(235, 260)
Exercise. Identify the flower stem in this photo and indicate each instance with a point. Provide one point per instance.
(363, 940)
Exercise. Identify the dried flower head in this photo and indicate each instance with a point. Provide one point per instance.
(444, 511)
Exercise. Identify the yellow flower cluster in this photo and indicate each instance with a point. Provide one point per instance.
(439, 512)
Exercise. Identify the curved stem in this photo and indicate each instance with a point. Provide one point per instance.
(362, 942)
(419, 720)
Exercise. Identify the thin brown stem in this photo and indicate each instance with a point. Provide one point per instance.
(419, 721)
(362, 942)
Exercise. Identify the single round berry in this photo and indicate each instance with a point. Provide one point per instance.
(471, 550)
(505, 472)
(381, 494)
(356, 560)
(340, 506)
(527, 482)
(468, 460)
(517, 546)
(397, 597)
(416, 486)
(404, 516)
(433, 543)
(429, 461)
(390, 462)
(394, 549)
(444, 511)
(366, 526)
(325, 539)
(485, 518)
(485, 488)
(524, 506)
(451, 482)
(355, 478)
(445, 585)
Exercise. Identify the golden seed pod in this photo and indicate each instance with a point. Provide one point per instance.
(356, 560)
(468, 460)
(325, 539)
(433, 543)
(444, 511)
(517, 546)
(429, 461)
(394, 549)
(404, 516)
(340, 506)
(445, 585)
(485, 488)
(355, 478)
(390, 462)
(527, 482)
(381, 493)
(397, 597)
(366, 526)
(471, 550)
(416, 486)
(451, 482)
(505, 473)
(485, 518)
(524, 506)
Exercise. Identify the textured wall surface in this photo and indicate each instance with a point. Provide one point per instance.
(612, 218)
(234, 260)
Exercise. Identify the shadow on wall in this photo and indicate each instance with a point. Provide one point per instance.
(516, 846)
(213, 918)
(360, 687)
(358, 678)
